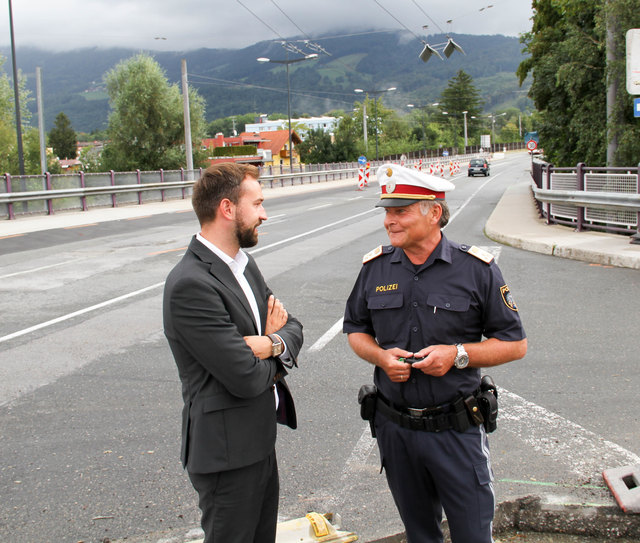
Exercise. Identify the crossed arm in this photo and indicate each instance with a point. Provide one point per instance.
(276, 318)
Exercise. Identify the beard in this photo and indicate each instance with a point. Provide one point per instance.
(247, 236)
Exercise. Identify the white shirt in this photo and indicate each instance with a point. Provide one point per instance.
(237, 266)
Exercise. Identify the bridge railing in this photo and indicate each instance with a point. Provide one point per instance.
(589, 198)
(48, 193)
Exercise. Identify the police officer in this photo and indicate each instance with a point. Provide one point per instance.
(428, 314)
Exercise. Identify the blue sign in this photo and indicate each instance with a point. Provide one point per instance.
(445, 153)
(636, 107)
(362, 160)
(531, 136)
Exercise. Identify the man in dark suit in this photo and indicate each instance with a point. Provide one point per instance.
(232, 342)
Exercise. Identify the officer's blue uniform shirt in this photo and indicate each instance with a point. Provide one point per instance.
(453, 297)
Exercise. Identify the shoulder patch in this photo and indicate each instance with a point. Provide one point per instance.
(372, 254)
(507, 298)
(480, 254)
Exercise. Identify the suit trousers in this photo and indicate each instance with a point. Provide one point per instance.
(240, 505)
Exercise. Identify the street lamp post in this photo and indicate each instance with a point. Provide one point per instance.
(375, 94)
(465, 130)
(493, 126)
(286, 62)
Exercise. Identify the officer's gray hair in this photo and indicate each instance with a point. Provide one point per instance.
(426, 205)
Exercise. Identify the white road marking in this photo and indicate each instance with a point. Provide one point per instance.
(326, 337)
(80, 312)
(560, 438)
(358, 458)
(33, 270)
(310, 232)
(318, 207)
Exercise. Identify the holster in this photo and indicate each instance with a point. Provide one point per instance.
(367, 398)
(488, 403)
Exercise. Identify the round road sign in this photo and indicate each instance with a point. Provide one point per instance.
(532, 145)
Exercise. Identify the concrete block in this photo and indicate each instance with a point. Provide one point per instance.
(624, 484)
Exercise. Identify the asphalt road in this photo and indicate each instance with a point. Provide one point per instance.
(90, 397)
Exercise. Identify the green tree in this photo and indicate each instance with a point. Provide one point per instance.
(316, 148)
(8, 141)
(346, 145)
(62, 137)
(568, 62)
(146, 126)
(460, 95)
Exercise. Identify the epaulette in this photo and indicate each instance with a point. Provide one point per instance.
(480, 254)
(372, 254)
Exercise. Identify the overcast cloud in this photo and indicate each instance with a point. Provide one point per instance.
(182, 25)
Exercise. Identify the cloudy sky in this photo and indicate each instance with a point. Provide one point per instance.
(182, 25)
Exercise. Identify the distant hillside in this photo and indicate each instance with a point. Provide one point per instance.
(233, 82)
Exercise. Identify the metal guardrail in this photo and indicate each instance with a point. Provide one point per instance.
(79, 195)
(82, 197)
(589, 198)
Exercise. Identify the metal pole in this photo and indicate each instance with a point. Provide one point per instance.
(187, 117)
(364, 121)
(612, 89)
(465, 131)
(289, 115)
(16, 92)
(375, 110)
(43, 150)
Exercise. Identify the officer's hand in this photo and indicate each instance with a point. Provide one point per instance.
(397, 371)
(276, 316)
(438, 359)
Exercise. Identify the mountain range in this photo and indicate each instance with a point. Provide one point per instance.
(233, 83)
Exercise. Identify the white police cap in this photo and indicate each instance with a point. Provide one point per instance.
(405, 186)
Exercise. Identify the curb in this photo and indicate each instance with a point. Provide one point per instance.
(533, 514)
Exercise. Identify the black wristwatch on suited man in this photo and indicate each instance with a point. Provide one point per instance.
(277, 346)
(461, 360)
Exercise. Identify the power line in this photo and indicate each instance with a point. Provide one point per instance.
(259, 19)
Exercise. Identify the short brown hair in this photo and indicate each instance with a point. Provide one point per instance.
(218, 182)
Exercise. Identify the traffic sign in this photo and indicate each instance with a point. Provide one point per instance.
(532, 145)
(445, 153)
(636, 107)
(531, 136)
(362, 160)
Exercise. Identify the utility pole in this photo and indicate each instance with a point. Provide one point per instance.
(16, 91)
(43, 145)
(612, 87)
(187, 117)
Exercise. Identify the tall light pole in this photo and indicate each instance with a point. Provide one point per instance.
(424, 129)
(286, 62)
(375, 94)
(493, 126)
(16, 90)
(465, 130)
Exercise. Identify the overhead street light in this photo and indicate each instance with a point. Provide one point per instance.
(375, 94)
(286, 62)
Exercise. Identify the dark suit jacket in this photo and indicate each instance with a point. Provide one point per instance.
(229, 415)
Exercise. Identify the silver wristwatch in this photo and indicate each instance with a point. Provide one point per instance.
(461, 360)
(277, 347)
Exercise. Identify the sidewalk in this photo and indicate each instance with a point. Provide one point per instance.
(515, 222)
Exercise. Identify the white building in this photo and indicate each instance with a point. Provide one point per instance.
(301, 126)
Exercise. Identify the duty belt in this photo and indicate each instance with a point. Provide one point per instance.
(452, 416)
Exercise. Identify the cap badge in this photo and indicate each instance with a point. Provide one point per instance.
(390, 184)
